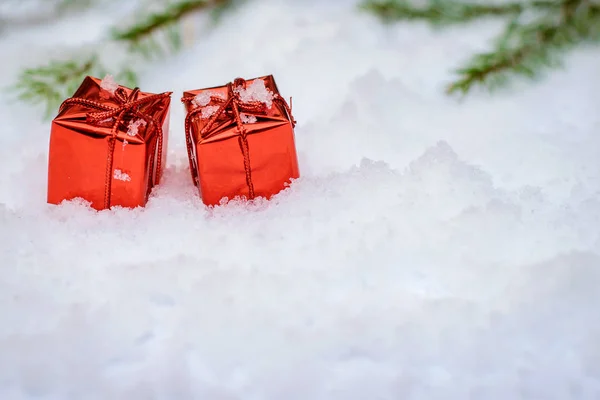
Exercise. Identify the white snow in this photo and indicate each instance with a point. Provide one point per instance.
(433, 249)
(120, 175)
(109, 84)
(255, 91)
(209, 111)
(134, 126)
(247, 118)
(203, 98)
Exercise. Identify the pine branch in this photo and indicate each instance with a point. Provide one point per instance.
(159, 33)
(523, 49)
(171, 14)
(54, 82)
(535, 47)
(444, 12)
(58, 80)
(222, 7)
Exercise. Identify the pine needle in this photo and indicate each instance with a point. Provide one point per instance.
(159, 33)
(52, 83)
(444, 12)
(153, 36)
(158, 20)
(523, 49)
(537, 47)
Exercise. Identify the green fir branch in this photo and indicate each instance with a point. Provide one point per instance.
(52, 83)
(221, 8)
(155, 35)
(445, 12)
(158, 20)
(159, 33)
(523, 49)
(527, 50)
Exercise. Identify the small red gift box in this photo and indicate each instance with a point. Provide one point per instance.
(240, 140)
(108, 145)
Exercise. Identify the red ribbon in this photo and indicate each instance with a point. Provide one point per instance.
(127, 105)
(230, 107)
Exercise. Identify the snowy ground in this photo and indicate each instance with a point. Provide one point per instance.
(432, 249)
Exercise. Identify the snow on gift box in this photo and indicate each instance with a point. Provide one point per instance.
(108, 145)
(240, 140)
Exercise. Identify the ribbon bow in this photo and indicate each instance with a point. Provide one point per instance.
(230, 107)
(127, 105)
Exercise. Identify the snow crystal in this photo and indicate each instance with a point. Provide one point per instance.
(209, 111)
(203, 98)
(134, 125)
(106, 121)
(121, 176)
(432, 249)
(256, 91)
(247, 118)
(109, 84)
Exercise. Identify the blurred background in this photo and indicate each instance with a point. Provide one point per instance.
(72, 38)
(441, 243)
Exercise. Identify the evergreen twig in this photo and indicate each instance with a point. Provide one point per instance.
(537, 47)
(444, 12)
(524, 48)
(158, 20)
(55, 81)
(159, 33)
(52, 83)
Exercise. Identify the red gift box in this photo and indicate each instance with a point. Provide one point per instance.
(240, 140)
(108, 144)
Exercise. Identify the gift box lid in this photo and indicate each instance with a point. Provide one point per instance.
(75, 116)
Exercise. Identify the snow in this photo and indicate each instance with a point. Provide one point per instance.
(209, 111)
(433, 248)
(120, 175)
(134, 126)
(255, 91)
(203, 98)
(247, 118)
(109, 84)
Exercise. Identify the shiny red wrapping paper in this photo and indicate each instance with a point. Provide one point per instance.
(108, 147)
(239, 147)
